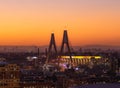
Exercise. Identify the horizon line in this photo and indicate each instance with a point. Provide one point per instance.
(89, 45)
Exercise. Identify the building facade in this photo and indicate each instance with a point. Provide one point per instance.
(9, 76)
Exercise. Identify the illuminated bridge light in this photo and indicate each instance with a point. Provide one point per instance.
(81, 57)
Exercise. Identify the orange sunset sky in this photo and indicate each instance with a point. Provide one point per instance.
(89, 22)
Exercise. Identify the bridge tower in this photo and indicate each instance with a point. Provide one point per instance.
(65, 41)
(52, 49)
(52, 44)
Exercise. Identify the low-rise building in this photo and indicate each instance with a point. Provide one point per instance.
(9, 76)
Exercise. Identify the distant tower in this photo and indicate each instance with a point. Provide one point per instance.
(65, 41)
(52, 43)
(38, 51)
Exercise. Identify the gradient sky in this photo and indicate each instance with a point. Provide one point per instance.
(30, 22)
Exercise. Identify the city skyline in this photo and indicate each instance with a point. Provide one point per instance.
(31, 22)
